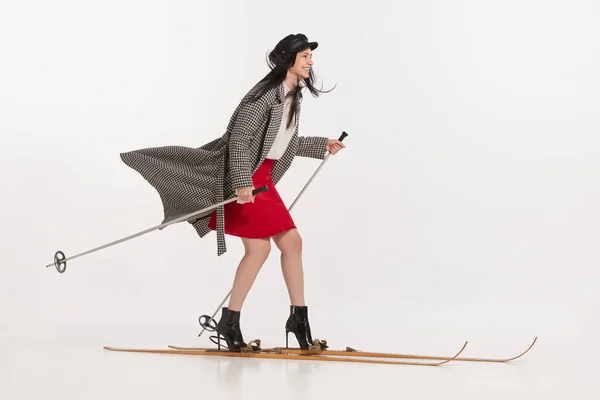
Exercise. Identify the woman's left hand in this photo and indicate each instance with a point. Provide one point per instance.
(334, 145)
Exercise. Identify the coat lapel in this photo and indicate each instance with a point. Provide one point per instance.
(272, 129)
(274, 122)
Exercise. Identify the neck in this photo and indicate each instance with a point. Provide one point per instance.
(291, 81)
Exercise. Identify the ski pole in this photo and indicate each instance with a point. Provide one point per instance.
(60, 262)
(205, 320)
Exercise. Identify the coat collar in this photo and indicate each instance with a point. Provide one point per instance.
(282, 90)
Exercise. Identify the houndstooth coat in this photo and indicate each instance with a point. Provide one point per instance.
(190, 179)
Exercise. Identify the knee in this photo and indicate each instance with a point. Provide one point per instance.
(292, 243)
(259, 251)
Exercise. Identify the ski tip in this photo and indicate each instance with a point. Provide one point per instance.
(456, 355)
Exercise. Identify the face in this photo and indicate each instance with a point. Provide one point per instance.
(302, 65)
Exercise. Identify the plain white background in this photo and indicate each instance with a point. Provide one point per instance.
(465, 206)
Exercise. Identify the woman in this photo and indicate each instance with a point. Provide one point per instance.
(257, 149)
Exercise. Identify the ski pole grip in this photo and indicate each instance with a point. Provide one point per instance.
(260, 190)
(344, 134)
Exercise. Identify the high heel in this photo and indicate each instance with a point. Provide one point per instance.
(297, 323)
(229, 328)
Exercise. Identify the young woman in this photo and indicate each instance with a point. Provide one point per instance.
(256, 150)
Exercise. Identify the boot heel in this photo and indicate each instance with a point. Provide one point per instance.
(297, 323)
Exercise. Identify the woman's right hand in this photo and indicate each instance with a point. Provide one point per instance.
(245, 195)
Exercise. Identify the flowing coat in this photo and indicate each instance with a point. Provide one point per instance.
(190, 179)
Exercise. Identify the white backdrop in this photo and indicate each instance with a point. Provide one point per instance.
(465, 206)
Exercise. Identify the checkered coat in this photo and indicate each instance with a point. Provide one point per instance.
(190, 179)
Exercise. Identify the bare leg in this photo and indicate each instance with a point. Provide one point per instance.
(257, 252)
(290, 244)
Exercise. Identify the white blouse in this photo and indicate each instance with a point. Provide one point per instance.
(285, 134)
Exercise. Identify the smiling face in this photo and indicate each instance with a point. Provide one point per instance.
(303, 64)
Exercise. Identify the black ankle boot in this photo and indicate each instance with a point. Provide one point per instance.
(297, 323)
(229, 328)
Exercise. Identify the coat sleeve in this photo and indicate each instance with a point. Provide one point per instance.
(312, 147)
(245, 128)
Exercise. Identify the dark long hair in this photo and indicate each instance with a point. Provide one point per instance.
(279, 64)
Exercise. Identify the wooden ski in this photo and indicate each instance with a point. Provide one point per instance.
(356, 353)
(351, 356)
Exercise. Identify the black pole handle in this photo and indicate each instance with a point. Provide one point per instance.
(344, 134)
(260, 190)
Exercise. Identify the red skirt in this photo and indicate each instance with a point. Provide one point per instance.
(264, 218)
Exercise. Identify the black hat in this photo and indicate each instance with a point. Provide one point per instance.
(293, 44)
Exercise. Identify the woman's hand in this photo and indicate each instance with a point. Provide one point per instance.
(334, 145)
(245, 195)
